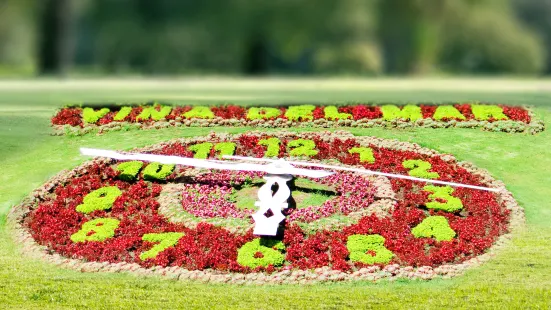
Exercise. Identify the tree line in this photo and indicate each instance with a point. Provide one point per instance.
(357, 37)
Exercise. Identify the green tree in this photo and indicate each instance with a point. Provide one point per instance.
(410, 32)
(536, 15)
(55, 48)
(17, 36)
(485, 36)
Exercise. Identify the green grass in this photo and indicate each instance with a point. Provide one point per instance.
(305, 199)
(245, 198)
(310, 193)
(519, 277)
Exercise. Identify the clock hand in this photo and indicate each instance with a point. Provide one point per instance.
(278, 167)
(364, 171)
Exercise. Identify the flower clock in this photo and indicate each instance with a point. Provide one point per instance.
(193, 223)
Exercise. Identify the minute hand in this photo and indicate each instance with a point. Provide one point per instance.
(207, 164)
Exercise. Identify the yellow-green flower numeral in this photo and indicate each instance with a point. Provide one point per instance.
(96, 230)
(157, 171)
(261, 252)
(165, 241)
(154, 171)
(100, 199)
(436, 227)
(366, 154)
(302, 147)
(452, 204)
(225, 148)
(272, 146)
(129, 170)
(202, 150)
(420, 169)
(368, 249)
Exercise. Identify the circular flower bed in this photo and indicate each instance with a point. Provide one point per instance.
(189, 223)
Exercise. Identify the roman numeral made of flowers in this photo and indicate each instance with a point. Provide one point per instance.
(269, 216)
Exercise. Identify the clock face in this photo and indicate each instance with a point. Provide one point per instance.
(197, 223)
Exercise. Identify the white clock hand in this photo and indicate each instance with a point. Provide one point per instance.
(365, 171)
(278, 167)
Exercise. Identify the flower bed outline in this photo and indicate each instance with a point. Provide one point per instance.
(30, 247)
(489, 117)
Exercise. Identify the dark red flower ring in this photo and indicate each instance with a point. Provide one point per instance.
(192, 223)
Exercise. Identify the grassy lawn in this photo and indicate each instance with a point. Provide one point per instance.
(519, 277)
